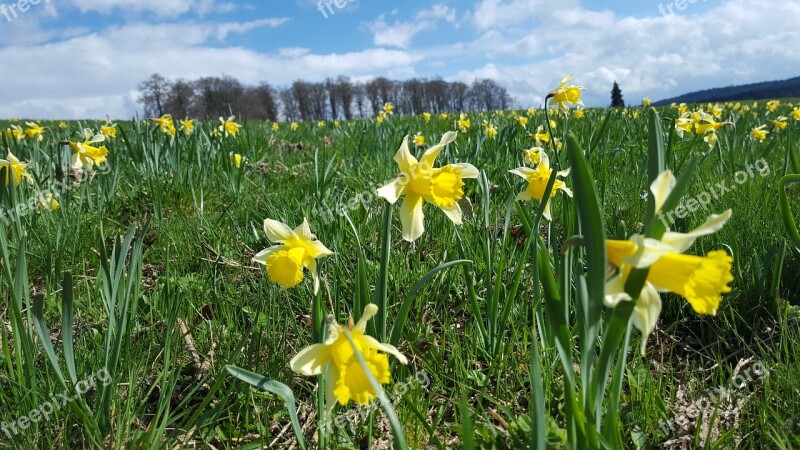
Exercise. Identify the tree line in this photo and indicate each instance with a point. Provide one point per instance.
(334, 98)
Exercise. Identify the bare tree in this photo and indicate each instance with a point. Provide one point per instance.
(153, 95)
(180, 99)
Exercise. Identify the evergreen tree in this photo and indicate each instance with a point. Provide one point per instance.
(616, 97)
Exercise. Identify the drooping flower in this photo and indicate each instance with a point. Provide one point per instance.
(345, 377)
(86, 155)
(564, 94)
(463, 123)
(15, 132)
(295, 250)
(420, 182)
(228, 127)
(165, 124)
(109, 130)
(537, 182)
(700, 279)
(16, 170)
(47, 202)
(34, 131)
(759, 133)
(540, 136)
(707, 124)
(187, 126)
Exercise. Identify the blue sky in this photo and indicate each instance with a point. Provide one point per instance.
(84, 58)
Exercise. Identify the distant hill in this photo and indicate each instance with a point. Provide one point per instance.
(755, 91)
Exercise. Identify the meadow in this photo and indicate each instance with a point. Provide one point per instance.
(146, 304)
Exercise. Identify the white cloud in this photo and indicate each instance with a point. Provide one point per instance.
(161, 8)
(400, 33)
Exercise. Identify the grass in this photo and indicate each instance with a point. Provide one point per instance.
(178, 222)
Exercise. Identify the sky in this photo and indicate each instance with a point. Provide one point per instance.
(76, 59)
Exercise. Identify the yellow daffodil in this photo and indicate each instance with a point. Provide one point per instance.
(684, 124)
(564, 94)
(15, 132)
(388, 108)
(532, 155)
(419, 140)
(537, 182)
(87, 155)
(63, 125)
(336, 124)
(780, 123)
(444, 116)
(759, 133)
(531, 112)
(540, 135)
(491, 131)
(463, 123)
(16, 170)
(579, 114)
(646, 101)
(294, 126)
(682, 108)
(34, 131)
(321, 124)
(229, 127)
(295, 250)
(700, 279)
(711, 139)
(379, 119)
(707, 124)
(796, 114)
(420, 182)
(276, 126)
(165, 124)
(345, 377)
(47, 202)
(426, 116)
(772, 105)
(522, 121)
(109, 130)
(187, 126)
(237, 159)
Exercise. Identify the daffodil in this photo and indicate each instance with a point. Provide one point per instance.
(772, 105)
(294, 126)
(780, 123)
(540, 136)
(522, 121)
(711, 139)
(15, 132)
(684, 124)
(532, 155)
(682, 108)
(419, 140)
(187, 126)
(796, 114)
(579, 114)
(237, 159)
(444, 116)
(34, 131)
(321, 124)
(16, 170)
(537, 182)
(87, 155)
(564, 94)
(420, 182)
(47, 202)
(165, 124)
(295, 250)
(491, 131)
(336, 124)
(463, 123)
(759, 133)
(276, 126)
(388, 108)
(63, 125)
(109, 130)
(345, 377)
(646, 101)
(707, 123)
(426, 116)
(228, 127)
(701, 280)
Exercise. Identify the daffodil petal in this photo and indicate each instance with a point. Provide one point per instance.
(369, 312)
(680, 242)
(386, 348)
(392, 190)
(648, 251)
(615, 292)
(404, 159)
(412, 217)
(311, 360)
(467, 170)
(645, 313)
(453, 213)
(661, 187)
(429, 157)
(278, 231)
(261, 257)
(317, 249)
(304, 230)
